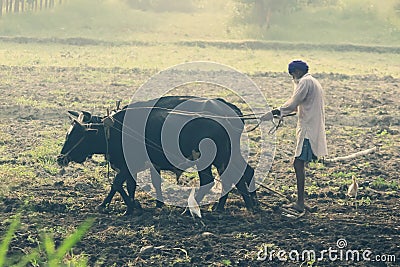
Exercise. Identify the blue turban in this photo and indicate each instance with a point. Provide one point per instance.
(298, 65)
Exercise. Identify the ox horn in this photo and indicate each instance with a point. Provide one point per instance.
(73, 114)
(118, 104)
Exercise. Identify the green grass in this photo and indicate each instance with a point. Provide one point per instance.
(17, 171)
(159, 57)
(30, 102)
(351, 21)
(341, 174)
(4, 245)
(54, 256)
(381, 183)
(332, 25)
(28, 164)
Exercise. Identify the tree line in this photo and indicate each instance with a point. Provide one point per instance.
(17, 6)
(259, 12)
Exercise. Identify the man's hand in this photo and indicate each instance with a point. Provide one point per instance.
(270, 115)
(276, 112)
(267, 116)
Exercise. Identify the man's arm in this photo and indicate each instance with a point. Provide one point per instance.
(298, 96)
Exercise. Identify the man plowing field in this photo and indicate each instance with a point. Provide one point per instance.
(307, 100)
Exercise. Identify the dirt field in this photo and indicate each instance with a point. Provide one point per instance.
(362, 112)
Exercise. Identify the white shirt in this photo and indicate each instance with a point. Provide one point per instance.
(308, 101)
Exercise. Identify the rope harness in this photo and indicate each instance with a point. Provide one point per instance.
(73, 147)
(245, 117)
(108, 122)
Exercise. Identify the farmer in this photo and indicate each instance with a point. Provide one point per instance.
(307, 100)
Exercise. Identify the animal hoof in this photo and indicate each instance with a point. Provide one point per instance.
(159, 204)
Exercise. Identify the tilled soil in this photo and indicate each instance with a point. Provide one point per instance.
(361, 112)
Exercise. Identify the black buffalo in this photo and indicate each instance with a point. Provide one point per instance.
(139, 127)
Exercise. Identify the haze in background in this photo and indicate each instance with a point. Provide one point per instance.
(307, 21)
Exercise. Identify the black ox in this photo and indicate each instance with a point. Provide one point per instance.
(141, 133)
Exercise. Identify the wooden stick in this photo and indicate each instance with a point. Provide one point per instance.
(273, 191)
(352, 156)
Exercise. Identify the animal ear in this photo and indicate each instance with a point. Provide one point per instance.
(73, 114)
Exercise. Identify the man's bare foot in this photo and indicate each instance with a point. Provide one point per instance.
(295, 206)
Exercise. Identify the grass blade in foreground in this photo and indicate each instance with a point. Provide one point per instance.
(7, 239)
(56, 257)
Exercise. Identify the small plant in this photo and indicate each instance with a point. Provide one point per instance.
(316, 165)
(343, 174)
(226, 262)
(383, 133)
(313, 188)
(365, 201)
(284, 188)
(55, 257)
(244, 235)
(381, 183)
(310, 263)
(7, 240)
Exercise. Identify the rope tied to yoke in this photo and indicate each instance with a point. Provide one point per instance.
(108, 122)
(243, 117)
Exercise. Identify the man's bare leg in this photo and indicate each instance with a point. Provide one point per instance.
(299, 168)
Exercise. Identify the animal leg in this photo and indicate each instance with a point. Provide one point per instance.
(241, 185)
(117, 186)
(110, 195)
(244, 191)
(131, 187)
(206, 183)
(219, 206)
(245, 182)
(108, 199)
(251, 184)
(156, 181)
